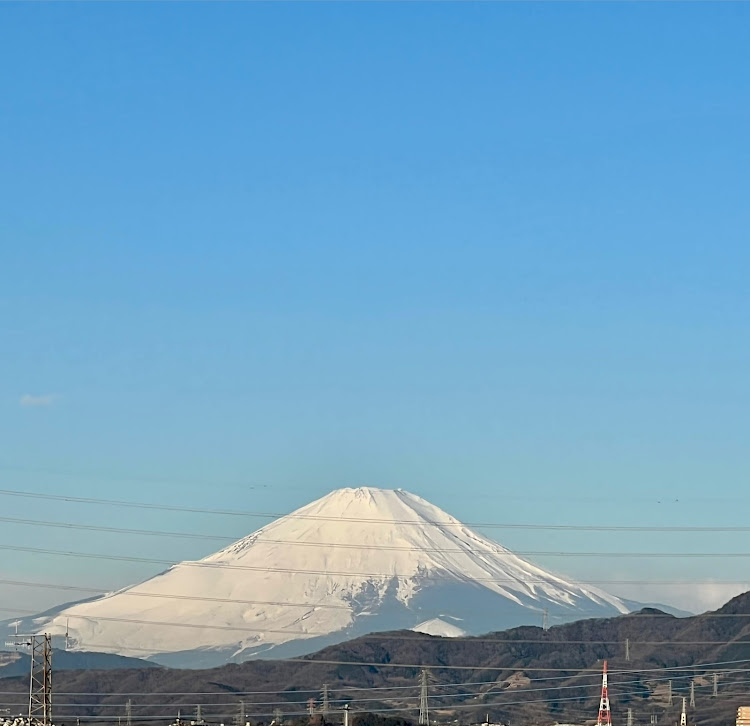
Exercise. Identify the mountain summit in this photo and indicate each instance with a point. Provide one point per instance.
(353, 562)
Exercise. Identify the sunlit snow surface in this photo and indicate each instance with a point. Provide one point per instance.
(356, 561)
(437, 626)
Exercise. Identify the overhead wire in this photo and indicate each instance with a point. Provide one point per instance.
(254, 568)
(372, 520)
(595, 674)
(384, 636)
(354, 546)
(334, 689)
(380, 699)
(483, 704)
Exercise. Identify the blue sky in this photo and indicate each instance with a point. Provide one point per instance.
(495, 254)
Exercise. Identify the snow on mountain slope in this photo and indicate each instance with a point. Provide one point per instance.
(437, 626)
(352, 562)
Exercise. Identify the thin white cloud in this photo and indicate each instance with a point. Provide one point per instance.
(31, 401)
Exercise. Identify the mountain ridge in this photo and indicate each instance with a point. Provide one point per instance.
(514, 675)
(354, 561)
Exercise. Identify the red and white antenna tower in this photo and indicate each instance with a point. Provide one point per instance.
(605, 715)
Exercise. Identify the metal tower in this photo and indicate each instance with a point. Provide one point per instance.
(129, 712)
(40, 683)
(324, 705)
(716, 685)
(670, 691)
(630, 717)
(239, 718)
(424, 707)
(683, 715)
(627, 649)
(310, 706)
(692, 694)
(605, 716)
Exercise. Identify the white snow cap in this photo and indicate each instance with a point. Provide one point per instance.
(438, 626)
(335, 564)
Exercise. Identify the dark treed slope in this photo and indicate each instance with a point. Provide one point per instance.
(657, 640)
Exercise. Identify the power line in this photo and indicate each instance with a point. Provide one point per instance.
(253, 568)
(205, 598)
(593, 674)
(464, 696)
(404, 706)
(343, 545)
(202, 598)
(371, 520)
(497, 704)
(383, 636)
(573, 672)
(25, 611)
(424, 638)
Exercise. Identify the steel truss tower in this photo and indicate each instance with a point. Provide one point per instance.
(605, 715)
(424, 706)
(40, 682)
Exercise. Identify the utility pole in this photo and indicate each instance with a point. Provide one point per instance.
(346, 714)
(627, 649)
(129, 713)
(324, 705)
(198, 713)
(424, 707)
(630, 717)
(692, 694)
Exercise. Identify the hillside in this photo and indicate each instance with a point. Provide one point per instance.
(17, 664)
(524, 673)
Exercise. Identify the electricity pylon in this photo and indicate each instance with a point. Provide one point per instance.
(40, 682)
(424, 706)
(605, 715)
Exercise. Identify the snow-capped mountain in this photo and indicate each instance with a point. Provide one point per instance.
(354, 562)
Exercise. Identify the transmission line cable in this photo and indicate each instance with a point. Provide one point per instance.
(253, 568)
(354, 546)
(373, 520)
